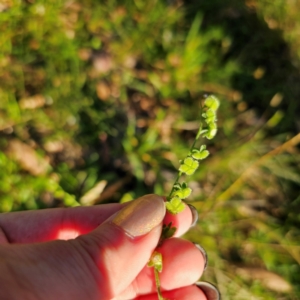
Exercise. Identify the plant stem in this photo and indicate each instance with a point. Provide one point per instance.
(180, 173)
(156, 272)
(157, 282)
(173, 187)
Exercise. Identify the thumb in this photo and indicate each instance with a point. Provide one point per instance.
(121, 246)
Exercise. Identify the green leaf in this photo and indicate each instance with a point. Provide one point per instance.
(212, 102)
(177, 186)
(210, 135)
(210, 113)
(156, 261)
(210, 116)
(175, 205)
(212, 131)
(210, 120)
(189, 166)
(183, 193)
(184, 185)
(167, 232)
(200, 154)
(203, 131)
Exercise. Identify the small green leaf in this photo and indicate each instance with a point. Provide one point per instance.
(184, 185)
(210, 120)
(167, 232)
(210, 135)
(210, 113)
(183, 193)
(203, 131)
(212, 102)
(189, 166)
(212, 131)
(175, 205)
(194, 151)
(203, 147)
(156, 261)
(200, 154)
(177, 186)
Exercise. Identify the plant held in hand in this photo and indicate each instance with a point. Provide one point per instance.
(180, 190)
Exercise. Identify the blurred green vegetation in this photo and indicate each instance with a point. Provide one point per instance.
(99, 102)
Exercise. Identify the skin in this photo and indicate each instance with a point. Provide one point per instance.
(77, 253)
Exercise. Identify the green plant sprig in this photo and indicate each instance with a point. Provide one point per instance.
(188, 166)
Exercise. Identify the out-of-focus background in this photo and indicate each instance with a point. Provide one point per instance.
(99, 100)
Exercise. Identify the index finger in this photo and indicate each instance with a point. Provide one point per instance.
(54, 223)
(67, 223)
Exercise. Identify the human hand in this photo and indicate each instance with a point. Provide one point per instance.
(98, 252)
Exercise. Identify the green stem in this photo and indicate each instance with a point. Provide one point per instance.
(173, 187)
(157, 283)
(198, 134)
(180, 173)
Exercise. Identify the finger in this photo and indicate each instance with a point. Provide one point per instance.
(97, 265)
(3, 238)
(55, 223)
(67, 223)
(121, 247)
(183, 264)
(186, 293)
(210, 291)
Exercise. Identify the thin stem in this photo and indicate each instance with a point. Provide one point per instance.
(173, 187)
(192, 147)
(198, 133)
(157, 283)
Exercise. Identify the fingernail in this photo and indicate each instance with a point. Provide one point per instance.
(141, 215)
(203, 253)
(210, 291)
(195, 215)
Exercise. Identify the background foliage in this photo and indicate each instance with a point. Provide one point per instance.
(99, 102)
